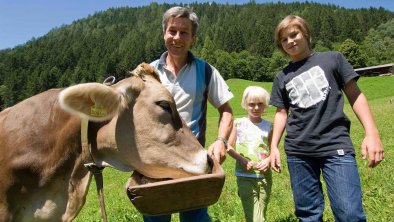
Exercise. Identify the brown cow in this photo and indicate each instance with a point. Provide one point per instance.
(134, 125)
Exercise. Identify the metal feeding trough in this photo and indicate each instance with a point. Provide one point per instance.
(170, 196)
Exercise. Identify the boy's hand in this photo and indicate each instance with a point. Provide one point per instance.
(372, 148)
(275, 159)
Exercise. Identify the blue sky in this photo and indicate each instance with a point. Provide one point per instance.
(21, 20)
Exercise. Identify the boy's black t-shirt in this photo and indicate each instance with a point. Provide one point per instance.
(311, 90)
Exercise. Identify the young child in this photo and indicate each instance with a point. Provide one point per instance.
(309, 101)
(248, 145)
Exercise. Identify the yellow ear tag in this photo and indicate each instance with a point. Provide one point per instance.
(98, 111)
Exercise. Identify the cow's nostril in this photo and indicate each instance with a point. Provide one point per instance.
(210, 163)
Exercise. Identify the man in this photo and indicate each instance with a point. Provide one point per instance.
(192, 82)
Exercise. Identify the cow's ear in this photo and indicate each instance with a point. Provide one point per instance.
(92, 101)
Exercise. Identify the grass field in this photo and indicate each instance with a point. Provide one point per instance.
(377, 183)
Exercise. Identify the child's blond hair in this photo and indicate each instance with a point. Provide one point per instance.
(255, 94)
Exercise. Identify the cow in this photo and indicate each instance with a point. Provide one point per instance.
(133, 125)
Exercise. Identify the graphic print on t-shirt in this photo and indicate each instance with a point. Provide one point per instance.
(308, 88)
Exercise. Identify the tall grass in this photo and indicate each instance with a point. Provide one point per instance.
(377, 183)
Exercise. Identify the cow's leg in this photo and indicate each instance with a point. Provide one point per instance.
(78, 189)
(5, 183)
(4, 213)
(47, 203)
(61, 200)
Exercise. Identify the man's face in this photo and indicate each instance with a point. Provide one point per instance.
(178, 36)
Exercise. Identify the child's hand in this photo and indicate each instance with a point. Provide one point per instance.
(372, 148)
(248, 164)
(263, 165)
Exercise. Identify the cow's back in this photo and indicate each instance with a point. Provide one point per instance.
(39, 146)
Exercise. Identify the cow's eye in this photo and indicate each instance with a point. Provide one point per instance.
(165, 106)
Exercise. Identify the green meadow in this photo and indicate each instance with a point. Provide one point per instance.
(377, 183)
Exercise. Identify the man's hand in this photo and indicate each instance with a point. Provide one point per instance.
(217, 151)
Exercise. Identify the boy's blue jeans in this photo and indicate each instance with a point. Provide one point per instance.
(342, 179)
(198, 215)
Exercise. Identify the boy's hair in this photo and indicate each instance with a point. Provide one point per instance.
(181, 12)
(292, 20)
(255, 94)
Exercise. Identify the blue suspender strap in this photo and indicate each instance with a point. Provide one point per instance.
(203, 78)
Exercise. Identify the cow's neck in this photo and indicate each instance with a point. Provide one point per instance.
(92, 166)
(105, 146)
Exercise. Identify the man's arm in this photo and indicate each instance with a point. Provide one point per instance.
(372, 146)
(217, 149)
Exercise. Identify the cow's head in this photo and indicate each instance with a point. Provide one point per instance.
(138, 126)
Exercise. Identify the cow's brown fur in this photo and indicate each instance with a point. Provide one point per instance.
(42, 177)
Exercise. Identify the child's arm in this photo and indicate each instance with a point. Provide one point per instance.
(371, 146)
(246, 163)
(278, 128)
(265, 164)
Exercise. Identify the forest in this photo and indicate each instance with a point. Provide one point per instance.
(237, 39)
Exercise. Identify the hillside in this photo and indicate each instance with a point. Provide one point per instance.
(236, 39)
